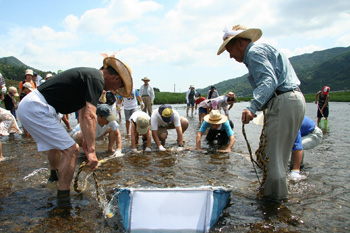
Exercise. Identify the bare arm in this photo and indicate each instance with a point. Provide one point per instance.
(199, 140)
(133, 135)
(316, 99)
(87, 118)
(119, 139)
(230, 145)
(180, 138)
(156, 138)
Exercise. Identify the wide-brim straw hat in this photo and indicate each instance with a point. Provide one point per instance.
(125, 73)
(240, 31)
(146, 79)
(215, 117)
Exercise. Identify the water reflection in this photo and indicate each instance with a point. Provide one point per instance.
(318, 203)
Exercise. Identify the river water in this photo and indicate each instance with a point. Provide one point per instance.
(319, 203)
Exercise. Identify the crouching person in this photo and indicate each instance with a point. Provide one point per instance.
(106, 124)
(220, 130)
(140, 122)
(309, 136)
(163, 119)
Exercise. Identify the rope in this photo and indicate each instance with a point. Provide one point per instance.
(250, 152)
(262, 158)
(76, 179)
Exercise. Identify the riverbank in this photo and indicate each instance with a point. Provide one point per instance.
(180, 98)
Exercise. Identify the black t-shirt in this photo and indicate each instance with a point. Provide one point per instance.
(8, 103)
(70, 90)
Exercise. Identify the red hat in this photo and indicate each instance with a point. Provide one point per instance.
(325, 90)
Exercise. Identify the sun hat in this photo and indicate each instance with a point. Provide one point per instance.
(142, 124)
(215, 117)
(240, 31)
(325, 90)
(230, 94)
(191, 86)
(13, 90)
(166, 112)
(105, 111)
(29, 72)
(125, 73)
(49, 75)
(145, 79)
(28, 85)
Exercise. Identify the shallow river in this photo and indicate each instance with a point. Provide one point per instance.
(319, 203)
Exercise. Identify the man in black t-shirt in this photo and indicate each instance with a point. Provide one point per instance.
(77, 89)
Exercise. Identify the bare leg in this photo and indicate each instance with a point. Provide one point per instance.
(127, 124)
(1, 157)
(298, 157)
(67, 166)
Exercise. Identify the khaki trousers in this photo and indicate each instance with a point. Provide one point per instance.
(148, 104)
(284, 117)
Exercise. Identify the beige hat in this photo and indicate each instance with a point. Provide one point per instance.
(13, 90)
(28, 85)
(49, 75)
(191, 86)
(215, 117)
(29, 72)
(125, 73)
(145, 79)
(142, 124)
(240, 31)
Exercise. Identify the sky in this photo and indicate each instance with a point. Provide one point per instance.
(172, 42)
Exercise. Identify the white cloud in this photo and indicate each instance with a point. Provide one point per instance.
(177, 40)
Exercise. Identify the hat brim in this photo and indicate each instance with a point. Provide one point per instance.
(222, 120)
(146, 79)
(141, 130)
(253, 34)
(124, 72)
(168, 119)
(111, 117)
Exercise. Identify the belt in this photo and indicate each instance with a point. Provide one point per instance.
(145, 96)
(277, 92)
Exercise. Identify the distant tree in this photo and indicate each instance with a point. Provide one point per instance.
(156, 89)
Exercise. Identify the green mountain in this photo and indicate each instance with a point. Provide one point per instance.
(14, 69)
(329, 67)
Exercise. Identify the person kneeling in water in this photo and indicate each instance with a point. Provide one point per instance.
(106, 123)
(221, 129)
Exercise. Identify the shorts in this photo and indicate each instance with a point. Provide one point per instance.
(191, 102)
(203, 110)
(325, 113)
(128, 113)
(42, 122)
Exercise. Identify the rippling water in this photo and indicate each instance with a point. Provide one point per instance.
(320, 203)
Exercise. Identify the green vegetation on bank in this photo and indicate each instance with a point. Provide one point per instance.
(180, 98)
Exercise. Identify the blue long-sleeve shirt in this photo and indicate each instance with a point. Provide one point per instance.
(269, 70)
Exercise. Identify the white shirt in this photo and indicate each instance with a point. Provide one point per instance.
(100, 131)
(156, 120)
(149, 91)
(136, 114)
(131, 101)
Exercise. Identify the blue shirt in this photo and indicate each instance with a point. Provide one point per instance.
(269, 70)
(224, 127)
(306, 128)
